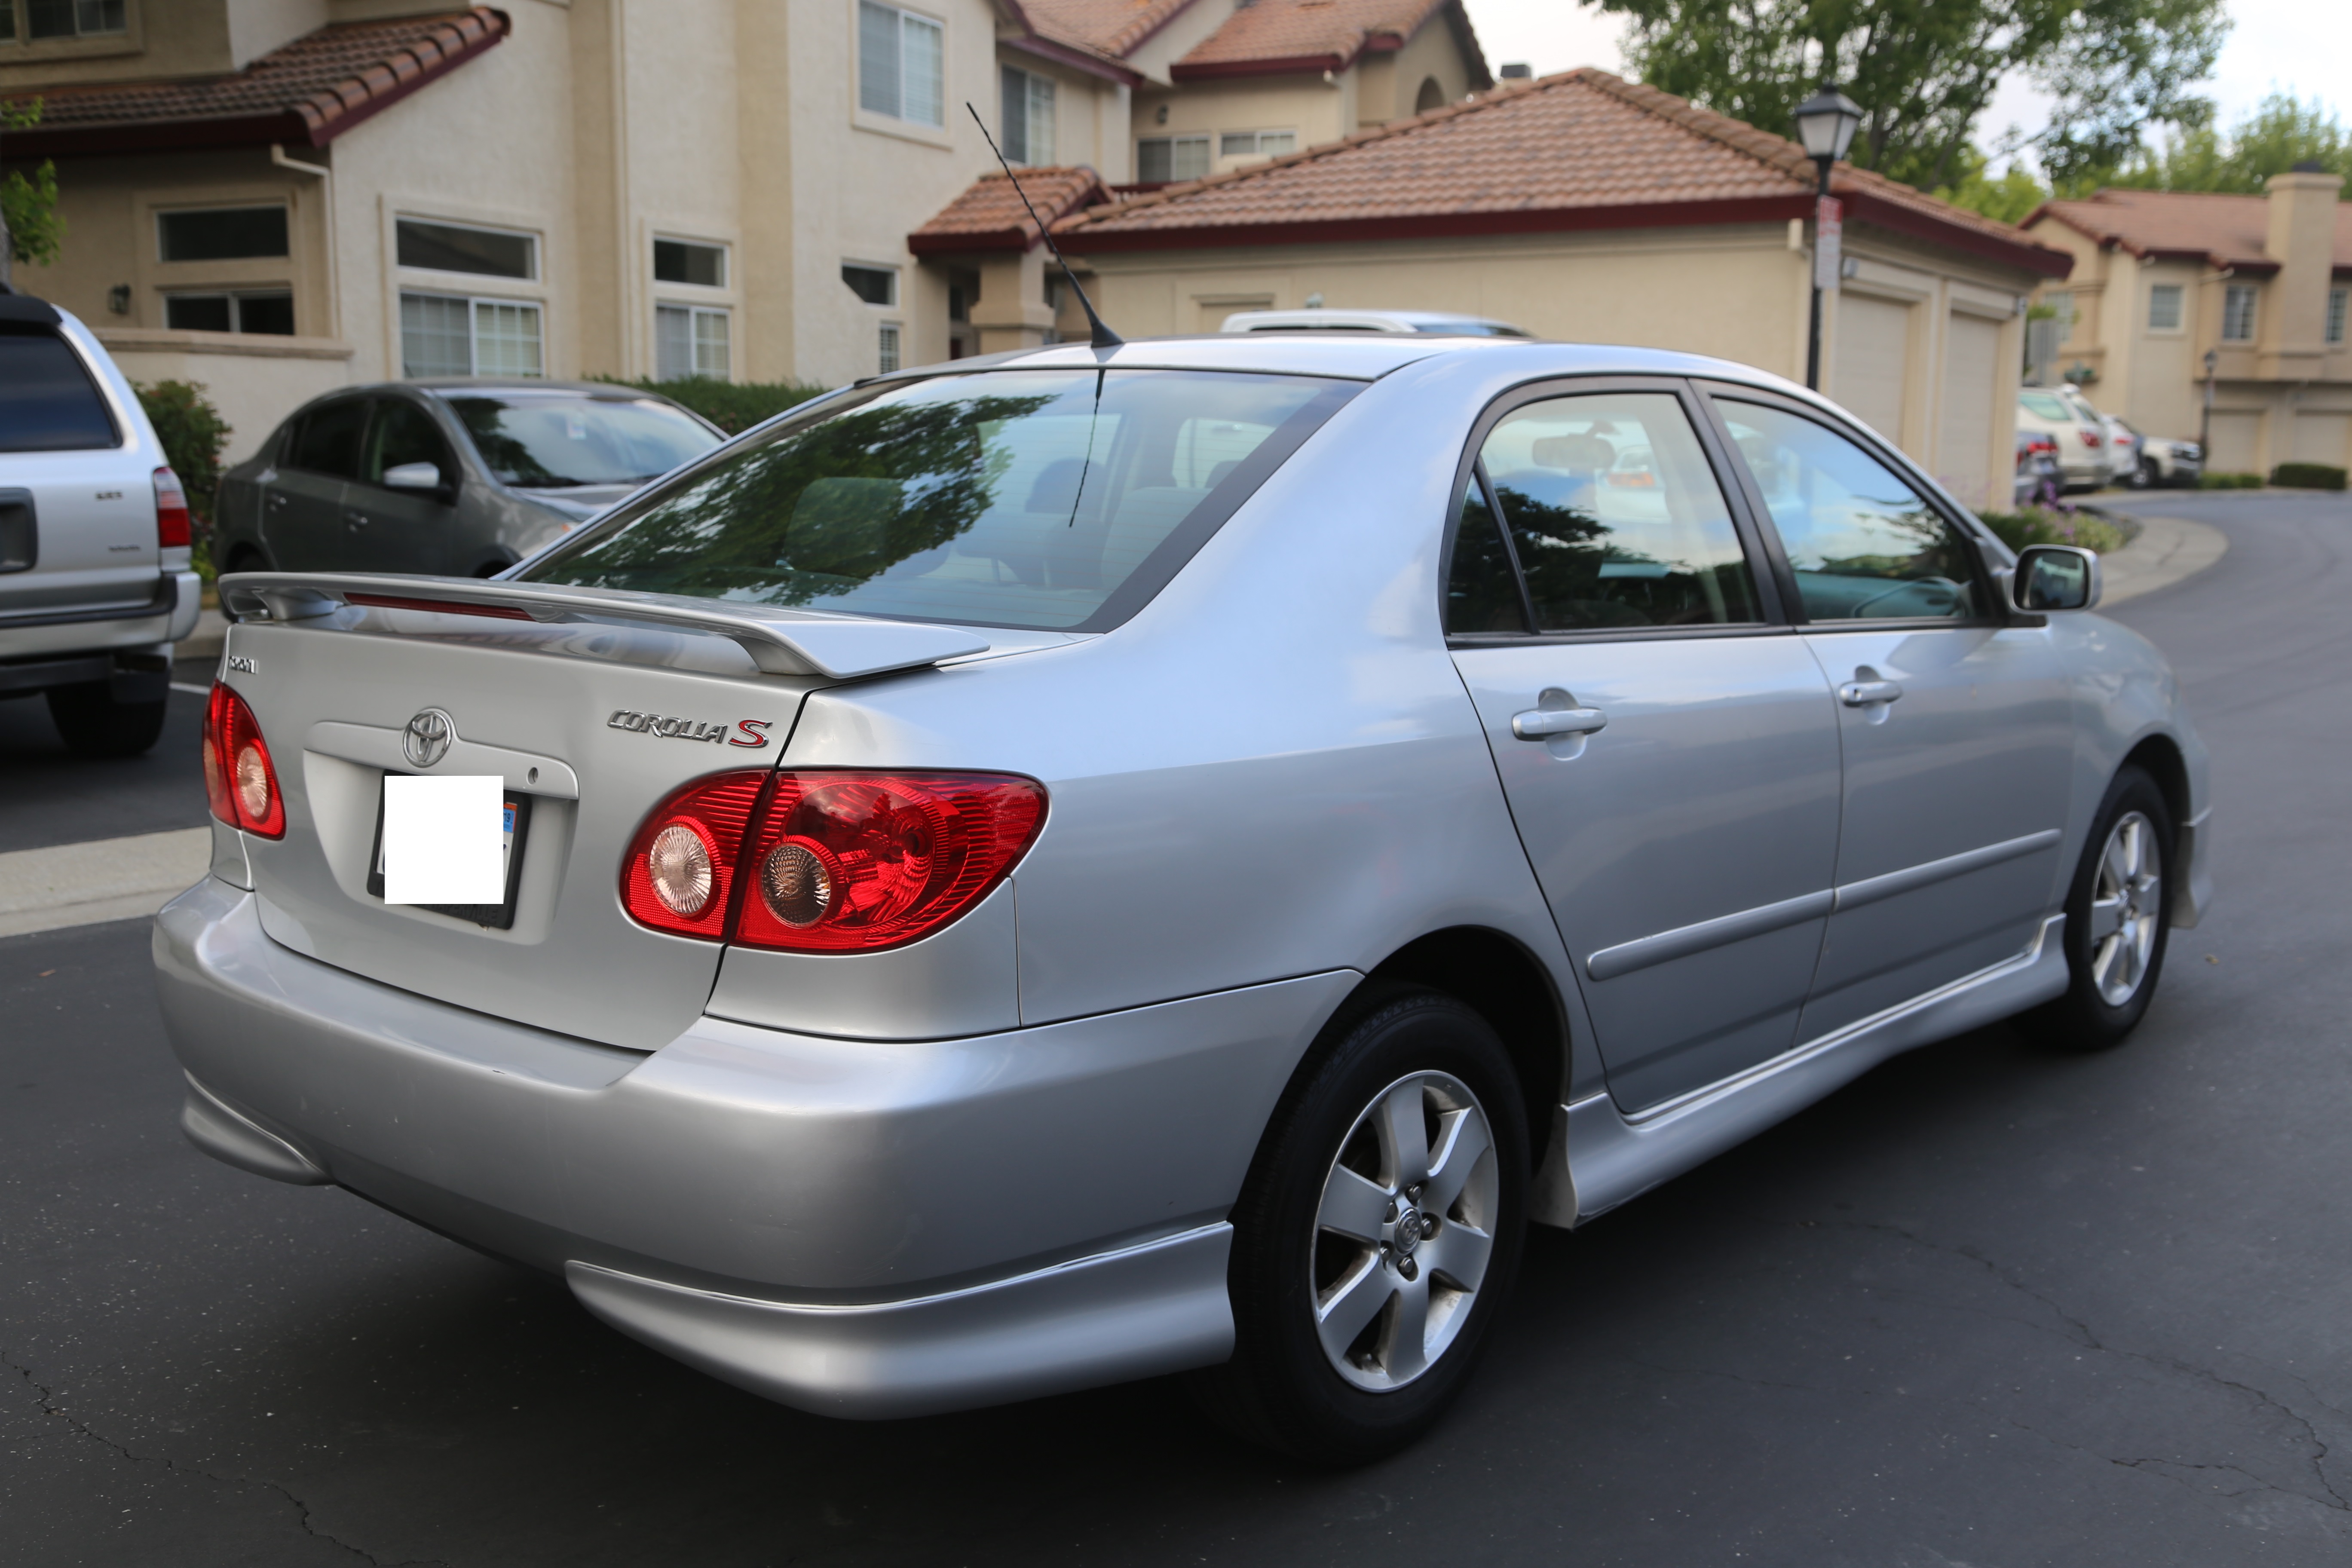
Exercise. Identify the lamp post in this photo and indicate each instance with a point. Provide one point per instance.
(1825, 125)
(2205, 418)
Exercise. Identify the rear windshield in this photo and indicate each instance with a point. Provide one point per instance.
(553, 440)
(47, 403)
(1056, 500)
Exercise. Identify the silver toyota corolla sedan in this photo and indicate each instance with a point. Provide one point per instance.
(1099, 863)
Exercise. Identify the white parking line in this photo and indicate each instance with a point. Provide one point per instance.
(104, 879)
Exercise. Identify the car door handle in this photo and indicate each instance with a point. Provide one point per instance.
(1545, 723)
(356, 518)
(277, 500)
(1866, 693)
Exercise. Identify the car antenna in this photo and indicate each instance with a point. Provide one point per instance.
(1104, 337)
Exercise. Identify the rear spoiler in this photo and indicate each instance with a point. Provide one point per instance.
(780, 641)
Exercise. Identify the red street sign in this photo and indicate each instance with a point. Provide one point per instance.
(1829, 238)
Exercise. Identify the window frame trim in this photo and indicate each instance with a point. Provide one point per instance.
(695, 310)
(1772, 601)
(1989, 582)
(899, 124)
(536, 278)
(2253, 295)
(473, 333)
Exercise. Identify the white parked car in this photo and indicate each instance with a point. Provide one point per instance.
(2164, 464)
(95, 585)
(1443, 323)
(2080, 432)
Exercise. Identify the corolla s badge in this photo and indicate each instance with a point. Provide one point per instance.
(749, 733)
(426, 739)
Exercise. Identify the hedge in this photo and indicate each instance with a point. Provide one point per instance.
(194, 436)
(2046, 525)
(2307, 477)
(2230, 481)
(732, 405)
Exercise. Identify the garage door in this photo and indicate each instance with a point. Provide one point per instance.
(1971, 349)
(2322, 439)
(1873, 344)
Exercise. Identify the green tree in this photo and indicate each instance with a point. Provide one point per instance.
(2279, 133)
(31, 226)
(1924, 70)
(2009, 196)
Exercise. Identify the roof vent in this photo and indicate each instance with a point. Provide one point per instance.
(1519, 71)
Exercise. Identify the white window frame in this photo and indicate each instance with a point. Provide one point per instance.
(2339, 300)
(898, 289)
(538, 261)
(475, 305)
(236, 297)
(890, 347)
(2231, 293)
(1256, 148)
(2179, 294)
(726, 262)
(1208, 154)
(901, 17)
(160, 214)
(698, 317)
(1026, 155)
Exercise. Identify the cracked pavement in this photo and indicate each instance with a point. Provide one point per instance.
(1987, 1307)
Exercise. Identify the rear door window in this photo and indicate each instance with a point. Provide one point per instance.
(1053, 500)
(48, 400)
(328, 440)
(1614, 517)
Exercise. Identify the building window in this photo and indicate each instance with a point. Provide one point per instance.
(66, 18)
(259, 311)
(1160, 159)
(460, 248)
(2062, 310)
(899, 65)
(888, 360)
(1256, 143)
(1028, 117)
(2336, 299)
(690, 340)
(685, 261)
(2238, 313)
(2163, 308)
(875, 285)
(219, 234)
(447, 334)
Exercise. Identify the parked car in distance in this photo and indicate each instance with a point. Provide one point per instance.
(1321, 319)
(2080, 436)
(95, 585)
(2038, 475)
(2165, 463)
(455, 478)
(1096, 863)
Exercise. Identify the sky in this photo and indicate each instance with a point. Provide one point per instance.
(2301, 45)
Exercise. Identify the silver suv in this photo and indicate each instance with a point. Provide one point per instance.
(95, 585)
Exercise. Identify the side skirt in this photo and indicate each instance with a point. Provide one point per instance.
(1611, 1158)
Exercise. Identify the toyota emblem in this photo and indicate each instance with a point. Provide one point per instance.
(427, 740)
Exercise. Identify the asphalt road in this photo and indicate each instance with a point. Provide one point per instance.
(1987, 1307)
(52, 796)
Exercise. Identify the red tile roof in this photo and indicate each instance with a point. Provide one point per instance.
(1272, 37)
(306, 93)
(1113, 28)
(2188, 226)
(989, 214)
(1583, 149)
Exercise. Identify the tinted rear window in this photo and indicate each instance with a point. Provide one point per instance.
(47, 402)
(1052, 499)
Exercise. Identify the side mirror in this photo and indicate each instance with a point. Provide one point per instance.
(2057, 577)
(413, 477)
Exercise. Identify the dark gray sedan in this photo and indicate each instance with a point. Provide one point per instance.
(455, 478)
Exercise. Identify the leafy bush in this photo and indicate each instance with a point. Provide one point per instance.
(194, 436)
(732, 405)
(2229, 481)
(2049, 525)
(2307, 477)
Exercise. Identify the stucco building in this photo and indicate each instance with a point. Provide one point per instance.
(1583, 206)
(2163, 278)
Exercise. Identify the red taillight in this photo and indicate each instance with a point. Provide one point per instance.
(680, 873)
(828, 861)
(171, 511)
(2090, 437)
(239, 779)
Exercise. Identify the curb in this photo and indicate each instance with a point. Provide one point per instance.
(2168, 550)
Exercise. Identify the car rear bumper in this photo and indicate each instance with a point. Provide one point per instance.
(861, 1229)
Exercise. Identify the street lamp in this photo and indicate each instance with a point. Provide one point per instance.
(1825, 125)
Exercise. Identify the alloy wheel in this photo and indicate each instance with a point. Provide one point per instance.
(2126, 909)
(1404, 1230)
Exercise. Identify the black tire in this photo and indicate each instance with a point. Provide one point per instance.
(2090, 1017)
(1281, 1388)
(2146, 475)
(95, 725)
(246, 558)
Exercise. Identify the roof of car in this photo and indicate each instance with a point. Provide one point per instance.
(1420, 321)
(1365, 356)
(521, 384)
